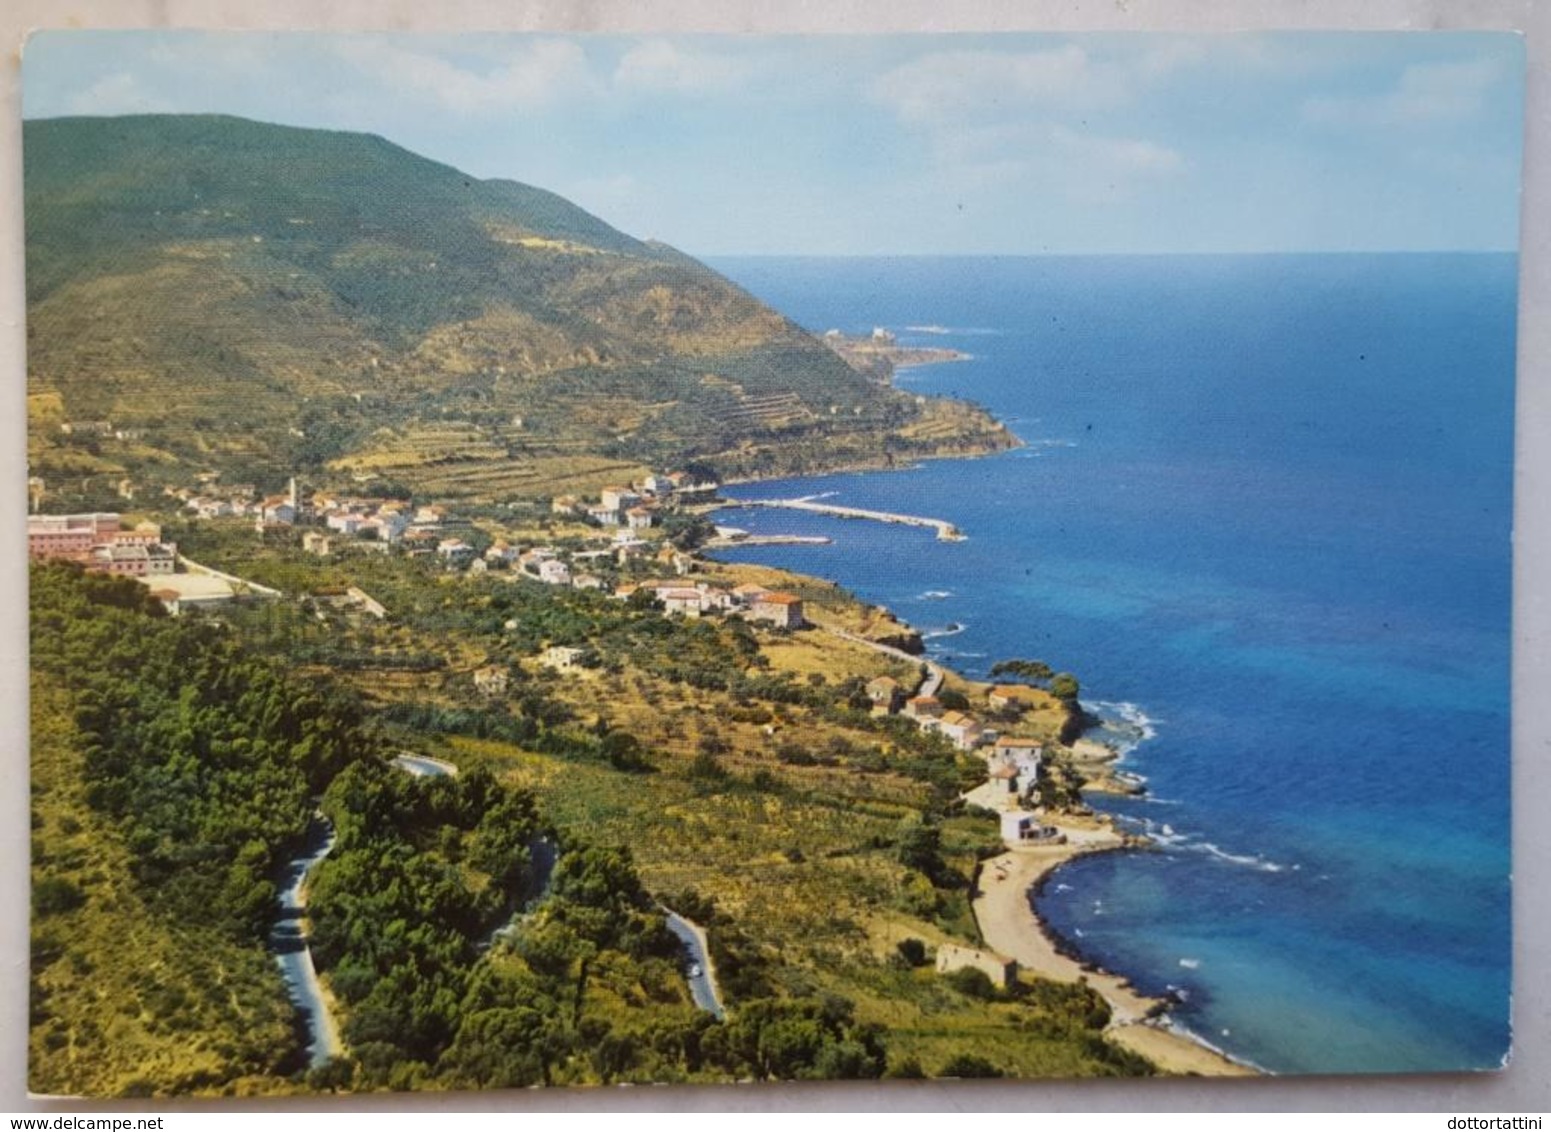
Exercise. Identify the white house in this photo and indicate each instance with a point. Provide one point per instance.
(682, 600)
(278, 509)
(561, 658)
(1023, 755)
(455, 551)
(1019, 828)
(963, 731)
(619, 498)
(555, 572)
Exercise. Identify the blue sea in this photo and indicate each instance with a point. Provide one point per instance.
(1263, 512)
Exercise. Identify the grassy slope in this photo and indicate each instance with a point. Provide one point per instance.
(804, 861)
(266, 298)
(124, 1001)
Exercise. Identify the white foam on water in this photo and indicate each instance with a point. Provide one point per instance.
(1126, 725)
(1236, 858)
(950, 631)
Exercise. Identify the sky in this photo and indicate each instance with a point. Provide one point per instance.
(1011, 144)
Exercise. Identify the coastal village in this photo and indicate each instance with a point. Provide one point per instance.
(624, 554)
(616, 543)
(625, 557)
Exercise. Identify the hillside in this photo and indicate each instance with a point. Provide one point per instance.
(259, 300)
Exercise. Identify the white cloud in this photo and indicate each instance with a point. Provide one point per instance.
(1425, 93)
(534, 74)
(119, 93)
(945, 84)
(658, 65)
(1082, 167)
(1126, 158)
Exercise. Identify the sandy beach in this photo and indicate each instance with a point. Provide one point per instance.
(1010, 926)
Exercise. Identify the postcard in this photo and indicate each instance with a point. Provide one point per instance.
(568, 560)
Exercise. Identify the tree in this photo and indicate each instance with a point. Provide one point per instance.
(920, 847)
(624, 752)
(1064, 687)
(973, 982)
(952, 700)
(1032, 671)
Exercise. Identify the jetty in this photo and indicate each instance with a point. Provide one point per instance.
(946, 531)
(733, 541)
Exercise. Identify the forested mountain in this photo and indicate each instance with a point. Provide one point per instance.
(266, 299)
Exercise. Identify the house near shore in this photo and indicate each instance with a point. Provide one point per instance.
(1001, 970)
(923, 708)
(1022, 757)
(684, 601)
(1006, 776)
(1011, 697)
(676, 560)
(885, 694)
(782, 610)
(963, 731)
(1022, 828)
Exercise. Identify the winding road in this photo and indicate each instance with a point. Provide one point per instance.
(702, 987)
(288, 937)
(934, 672)
(423, 766)
(288, 941)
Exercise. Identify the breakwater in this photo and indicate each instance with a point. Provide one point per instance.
(946, 531)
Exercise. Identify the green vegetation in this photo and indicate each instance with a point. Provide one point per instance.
(329, 303)
(172, 772)
(735, 774)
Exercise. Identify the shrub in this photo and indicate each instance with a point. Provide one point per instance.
(912, 951)
(968, 1065)
(53, 895)
(973, 982)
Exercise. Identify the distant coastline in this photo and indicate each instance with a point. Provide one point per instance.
(880, 354)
